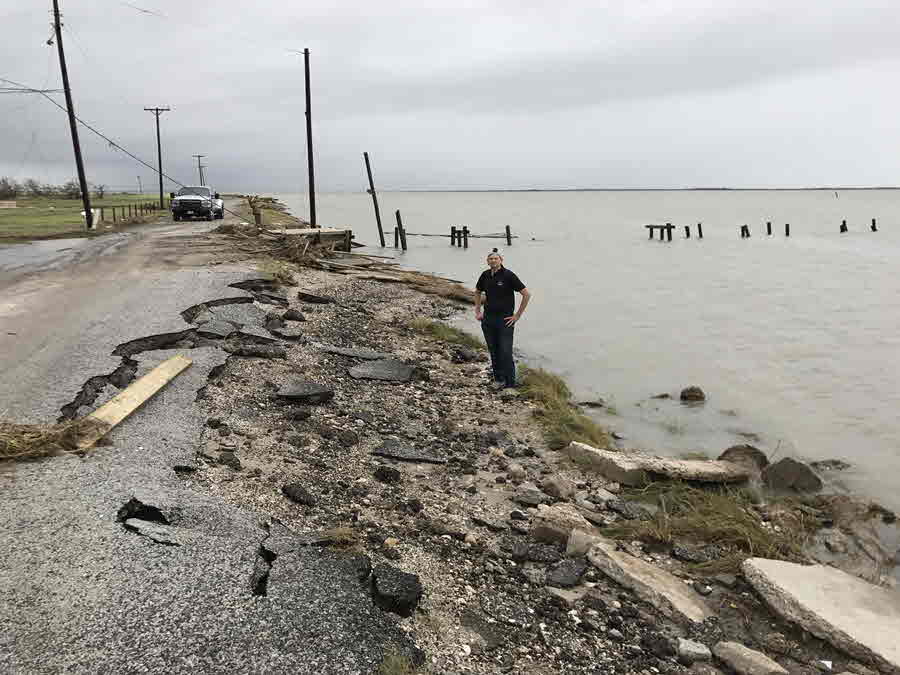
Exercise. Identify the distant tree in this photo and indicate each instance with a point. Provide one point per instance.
(9, 188)
(70, 190)
(100, 191)
(32, 188)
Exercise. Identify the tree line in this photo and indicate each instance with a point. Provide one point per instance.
(12, 189)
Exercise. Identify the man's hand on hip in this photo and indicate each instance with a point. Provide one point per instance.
(510, 320)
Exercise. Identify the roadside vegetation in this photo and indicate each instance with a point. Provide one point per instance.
(22, 442)
(54, 211)
(563, 422)
(446, 333)
(722, 516)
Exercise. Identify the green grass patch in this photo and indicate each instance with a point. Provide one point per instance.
(445, 333)
(722, 516)
(563, 422)
(54, 217)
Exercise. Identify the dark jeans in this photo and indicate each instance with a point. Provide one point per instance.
(499, 339)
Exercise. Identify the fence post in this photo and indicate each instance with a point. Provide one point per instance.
(699, 230)
(787, 229)
(687, 231)
(874, 227)
(396, 237)
(453, 235)
(508, 236)
(465, 236)
(769, 227)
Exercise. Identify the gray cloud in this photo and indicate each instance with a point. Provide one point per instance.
(502, 94)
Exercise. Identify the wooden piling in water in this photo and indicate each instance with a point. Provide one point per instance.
(874, 227)
(465, 233)
(400, 231)
(769, 227)
(508, 236)
(453, 234)
(787, 229)
(374, 198)
(843, 226)
(669, 228)
(687, 231)
(699, 230)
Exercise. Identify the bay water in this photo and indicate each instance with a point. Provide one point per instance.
(795, 340)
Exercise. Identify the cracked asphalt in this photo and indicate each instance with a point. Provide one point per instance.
(83, 594)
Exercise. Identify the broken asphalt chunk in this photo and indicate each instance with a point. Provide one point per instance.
(396, 591)
(215, 329)
(306, 392)
(389, 370)
(314, 299)
(394, 449)
(161, 534)
(293, 315)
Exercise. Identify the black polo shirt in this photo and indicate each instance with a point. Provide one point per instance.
(500, 288)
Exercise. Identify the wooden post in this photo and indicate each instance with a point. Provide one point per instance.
(650, 230)
(453, 235)
(396, 237)
(374, 198)
(787, 229)
(102, 216)
(465, 236)
(669, 228)
(699, 230)
(508, 236)
(114, 213)
(874, 226)
(348, 246)
(843, 226)
(769, 227)
(401, 231)
(687, 231)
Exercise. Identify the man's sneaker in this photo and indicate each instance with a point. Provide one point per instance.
(496, 386)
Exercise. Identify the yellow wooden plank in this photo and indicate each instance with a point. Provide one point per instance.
(130, 399)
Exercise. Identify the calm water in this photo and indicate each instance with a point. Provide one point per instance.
(795, 341)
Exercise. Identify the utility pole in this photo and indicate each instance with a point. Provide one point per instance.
(79, 163)
(309, 146)
(157, 112)
(140, 186)
(200, 168)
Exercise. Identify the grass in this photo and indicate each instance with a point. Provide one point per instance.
(273, 212)
(560, 417)
(395, 663)
(721, 516)
(53, 217)
(445, 333)
(21, 442)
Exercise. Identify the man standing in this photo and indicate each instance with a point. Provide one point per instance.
(498, 320)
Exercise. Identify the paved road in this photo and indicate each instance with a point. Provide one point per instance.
(82, 594)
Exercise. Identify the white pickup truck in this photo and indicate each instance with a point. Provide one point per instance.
(196, 201)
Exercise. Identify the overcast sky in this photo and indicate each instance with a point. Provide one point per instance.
(451, 95)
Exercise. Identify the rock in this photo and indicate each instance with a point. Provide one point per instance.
(306, 392)
(515, 514)
(347, 438)
(596, 403)
(696, 554)
(290, 333)
(489, 523)
(313, 299)
(272, 298)
(692, 394)
(580, 543)
(745, 454)
(662, 396)
(215, 329)
(161, 534)
(745, 661)
(394, 590)
(230, 460)
(557, 486)
(534, 552)
(601, 497)
(563, 597)
(261, 351)
(628, 510)
(567, 573)
(554, 524)
(293, 315)
(256, 335)
(830, 465)
(516, 472)
(388, 370)
(691, 652)
(273, 321)
(637, 469)
(297, 493)
(393, 449)
(528, 494)
(203, 316)
(852, 615)
(704, 669)
(366, 354)
(789, 474)
(649, 582)
(388, 474)
(464, 355)
(658, 644)
(299, 414)
(835, 541)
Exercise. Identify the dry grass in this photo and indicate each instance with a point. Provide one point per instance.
(444, 333)
(562, 421)
(720, 516)
(20, 442)
(395, 663)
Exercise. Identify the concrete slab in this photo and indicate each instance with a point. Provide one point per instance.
(744, 661)
(849, 613)
(637, 469)
(655, 586)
